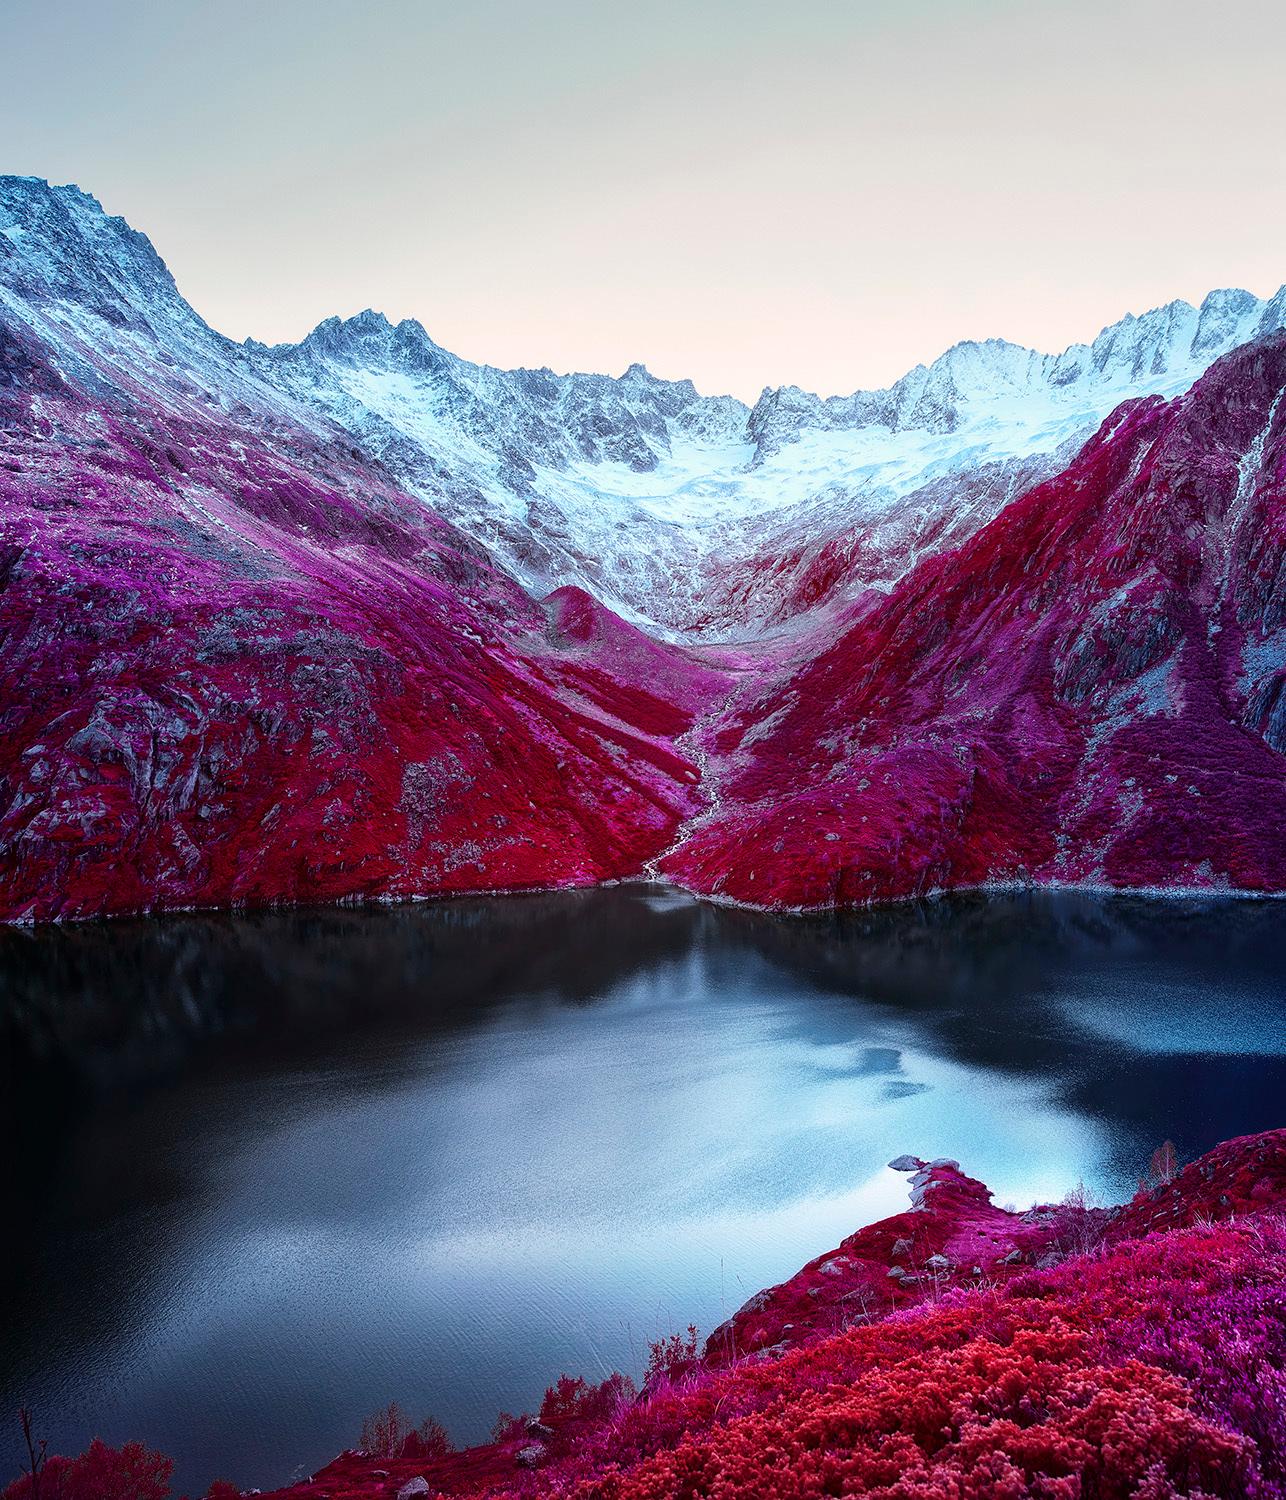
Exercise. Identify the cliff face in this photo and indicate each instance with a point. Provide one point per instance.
(957, 1349)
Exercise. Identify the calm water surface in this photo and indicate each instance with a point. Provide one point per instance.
(275, 1170)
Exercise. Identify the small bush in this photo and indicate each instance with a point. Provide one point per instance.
(384, 1432)
(1162, 1169)
(429, 1440)
(389, 1434)
(574, 1399)
(1077, 1226)
(508, 1428)
(673, 1356)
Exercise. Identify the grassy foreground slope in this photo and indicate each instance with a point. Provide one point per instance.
(956, 1350)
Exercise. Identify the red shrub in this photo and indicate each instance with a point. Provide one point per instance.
(429, 1440)
(130, 1472)
(384, 1432)
(574, 1399)
(1148, 1370)
(672, 1356)
(389, 1434)
(1036, 1417)
(508, 1428)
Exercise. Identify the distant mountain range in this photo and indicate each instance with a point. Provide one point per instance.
(694, 515)
(357, 617)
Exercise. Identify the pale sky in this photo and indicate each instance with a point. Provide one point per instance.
(808, 191)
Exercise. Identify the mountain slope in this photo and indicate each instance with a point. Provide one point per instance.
(700, 517)
(269, 629)
(241, 665)
(695, 516)
(1088, 689)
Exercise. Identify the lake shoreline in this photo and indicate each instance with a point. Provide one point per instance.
(951, 1244)
(349, 1129)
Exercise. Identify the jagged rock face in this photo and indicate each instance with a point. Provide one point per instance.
(530, 416)
(266, 635)
(1087, 689)
(57, 246)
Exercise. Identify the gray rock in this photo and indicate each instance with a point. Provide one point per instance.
(417, 1486)
(530, 1456)
(755, 1303)
(901, 1247)
(905, 1164)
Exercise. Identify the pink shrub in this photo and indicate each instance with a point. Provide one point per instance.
(573, 1399)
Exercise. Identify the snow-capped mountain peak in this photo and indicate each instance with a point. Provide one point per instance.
(58, 244)
(695, 514)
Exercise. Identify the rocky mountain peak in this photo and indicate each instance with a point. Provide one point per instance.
(58, 244)
(630, 486)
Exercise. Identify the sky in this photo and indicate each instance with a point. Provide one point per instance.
(805, 192)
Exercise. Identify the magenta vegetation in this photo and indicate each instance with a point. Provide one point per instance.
(956, 1350)
(246, 660)
(953, 1352)
(1089, 689)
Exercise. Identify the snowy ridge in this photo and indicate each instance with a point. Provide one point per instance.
(697, 516)
(677, 509)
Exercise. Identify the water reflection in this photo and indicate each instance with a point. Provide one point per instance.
(280, 1168)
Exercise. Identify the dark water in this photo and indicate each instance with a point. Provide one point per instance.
(272, 1171)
